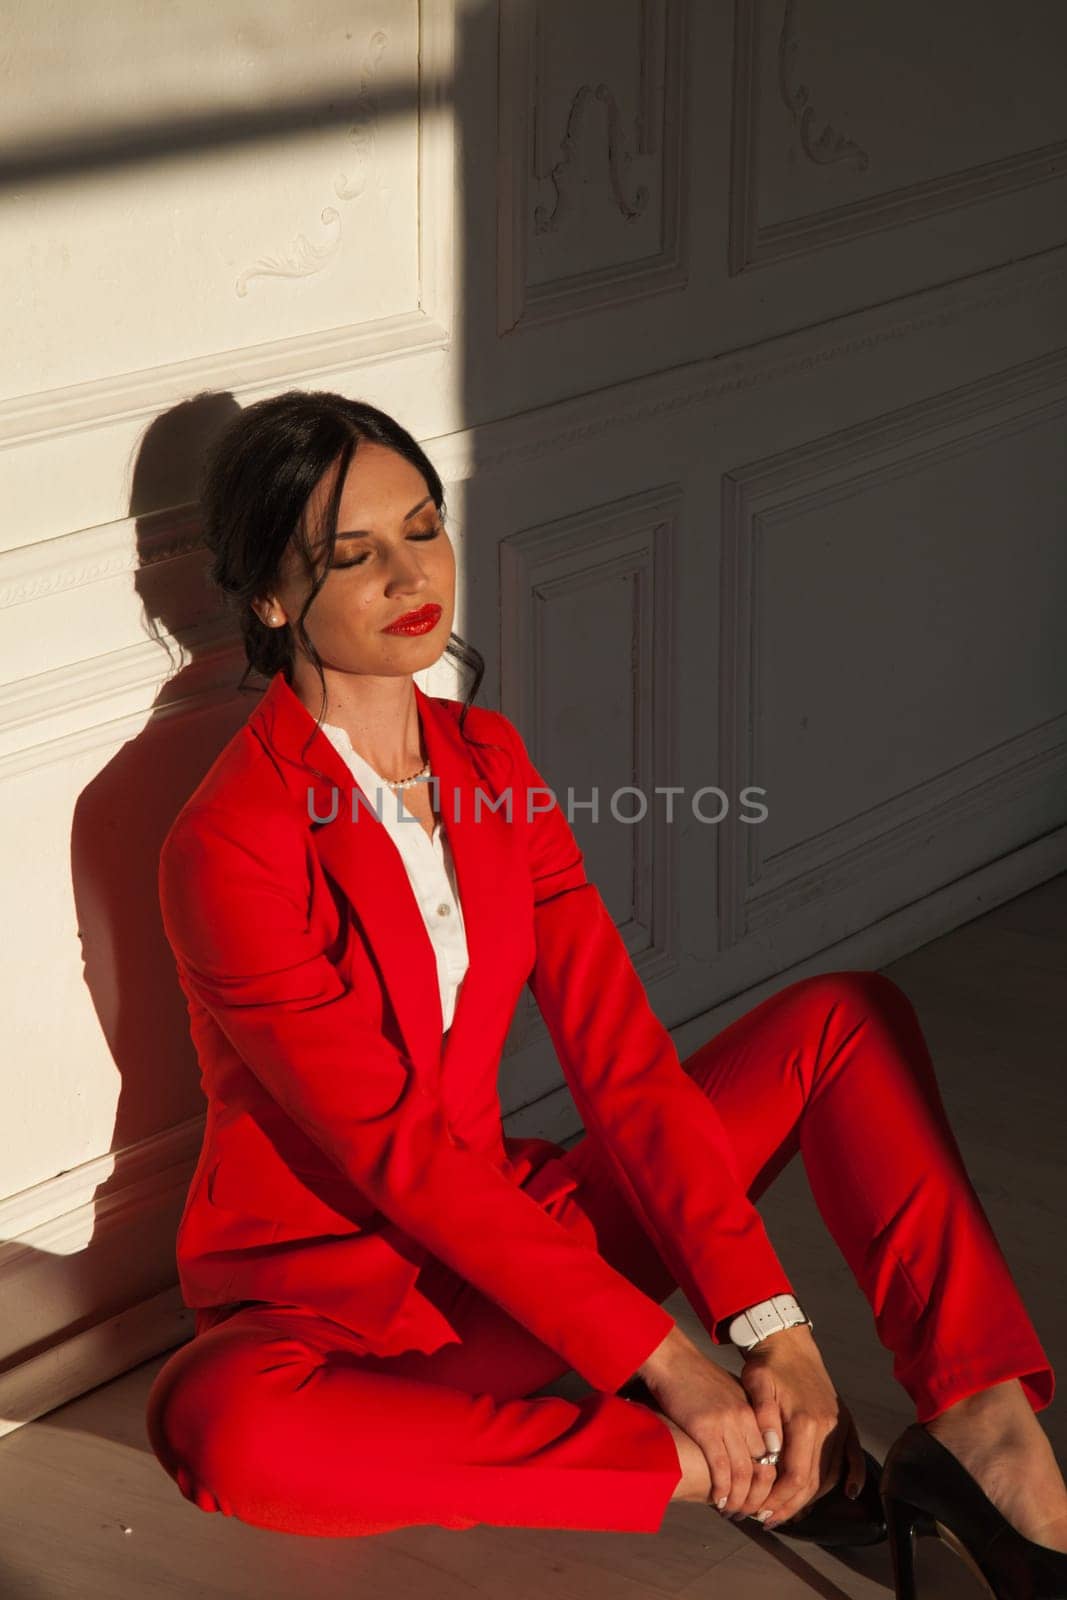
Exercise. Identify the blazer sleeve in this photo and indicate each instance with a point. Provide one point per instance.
(234, 904)
(667, 1145)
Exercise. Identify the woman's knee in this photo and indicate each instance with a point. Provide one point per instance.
(873, 992)
(862, 1021)
(197, 1406)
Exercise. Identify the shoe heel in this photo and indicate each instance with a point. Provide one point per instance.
(905, 1523)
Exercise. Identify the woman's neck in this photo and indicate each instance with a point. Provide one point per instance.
(379, 715)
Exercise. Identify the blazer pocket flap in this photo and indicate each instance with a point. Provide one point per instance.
(282, 1194)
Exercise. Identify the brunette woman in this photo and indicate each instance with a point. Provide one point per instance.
(382, 1279)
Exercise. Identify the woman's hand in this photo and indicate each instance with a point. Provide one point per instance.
(784, 1376)
(711, 1406)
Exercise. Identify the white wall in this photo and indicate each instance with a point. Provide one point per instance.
(738, 335)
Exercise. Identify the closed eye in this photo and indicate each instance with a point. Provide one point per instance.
(358, 561)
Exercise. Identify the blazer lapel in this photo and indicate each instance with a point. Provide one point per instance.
(491, 874)
(361, 857)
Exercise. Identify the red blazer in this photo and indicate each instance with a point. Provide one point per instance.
(344, 1147)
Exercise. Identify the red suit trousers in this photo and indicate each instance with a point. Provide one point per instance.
(285, 1420)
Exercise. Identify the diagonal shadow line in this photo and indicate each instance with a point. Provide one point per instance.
(76, 151)
(792, 1558)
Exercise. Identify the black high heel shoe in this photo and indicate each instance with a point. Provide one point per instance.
(926, 1490)
(833, 1520)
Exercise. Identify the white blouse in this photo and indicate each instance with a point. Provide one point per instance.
(430, 869)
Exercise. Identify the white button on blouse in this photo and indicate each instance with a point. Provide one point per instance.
(429, 865)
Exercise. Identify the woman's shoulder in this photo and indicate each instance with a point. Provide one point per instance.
(241, 798)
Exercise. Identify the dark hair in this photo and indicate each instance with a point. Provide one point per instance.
(255, 485)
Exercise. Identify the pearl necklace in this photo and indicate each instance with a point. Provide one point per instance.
(405, 783)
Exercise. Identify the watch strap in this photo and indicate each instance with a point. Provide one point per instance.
(758, 1321)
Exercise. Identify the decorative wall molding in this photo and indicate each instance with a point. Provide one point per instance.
(120, 1207)
(144, 395)
(301, 260)
(756, 892)
(306, 358)
(139, 395)
(647, 133)
(35, 572)
(828, 145)
(363, 131)
(752, 245)
(548, 218)
(572, 423)
(49, 566)
(94, 705)
(305, 257)
(107, 1190)
(438, 245)
(68, 710)
(632, 541)
(90, 555)
(529, 155)
(874, 947)
(94, 1355)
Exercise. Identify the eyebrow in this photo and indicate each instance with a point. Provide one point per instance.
(362, 534)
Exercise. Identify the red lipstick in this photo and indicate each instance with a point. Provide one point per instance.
(414, 622)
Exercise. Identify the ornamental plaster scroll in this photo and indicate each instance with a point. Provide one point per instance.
(303, 258)
(619, 158)
(827, 144)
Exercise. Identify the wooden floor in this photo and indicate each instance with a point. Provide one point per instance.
(86, 1512)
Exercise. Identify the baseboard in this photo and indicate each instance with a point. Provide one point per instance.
(40, 1383)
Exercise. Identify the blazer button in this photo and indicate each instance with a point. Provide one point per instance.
(443, 909)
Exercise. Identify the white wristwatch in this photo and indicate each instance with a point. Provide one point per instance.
(769, 1316)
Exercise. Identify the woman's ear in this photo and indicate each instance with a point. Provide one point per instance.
(269, 612)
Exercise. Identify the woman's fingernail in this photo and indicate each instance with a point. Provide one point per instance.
(771, 1439)
(720, 1503)
(764, 1516)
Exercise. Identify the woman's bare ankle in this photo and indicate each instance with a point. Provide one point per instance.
(997, 1407)
(1000, 1440)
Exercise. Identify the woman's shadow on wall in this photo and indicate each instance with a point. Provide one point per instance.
(119, 826)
